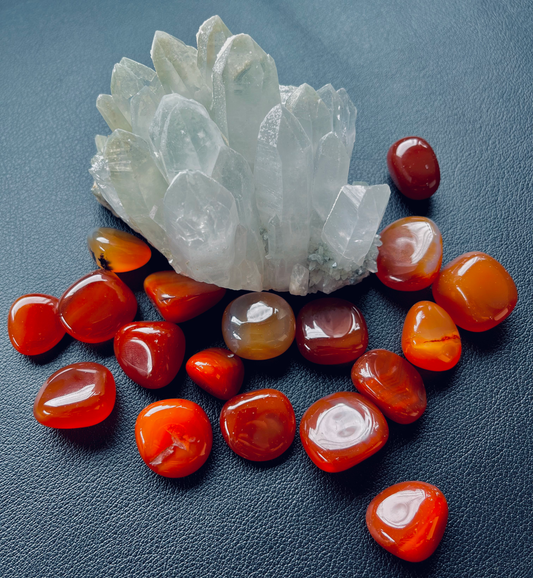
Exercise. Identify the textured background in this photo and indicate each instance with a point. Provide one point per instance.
(82, 503)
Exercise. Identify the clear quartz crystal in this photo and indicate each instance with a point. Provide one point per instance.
(239, 181)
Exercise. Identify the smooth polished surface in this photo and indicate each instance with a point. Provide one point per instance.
(96, 307)
(33, 324)
(258, 425)
(178, 298)
(258, 326)
(410, 255)
(408, 519)
(414, 168)
(341, 430)
(117, 251)
(476, 290)
(392, 383)
(331, 331)
(174, 437)
(79, 395)
(217, 370)
(150, 352)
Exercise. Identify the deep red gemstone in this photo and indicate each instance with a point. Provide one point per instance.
(219, 371)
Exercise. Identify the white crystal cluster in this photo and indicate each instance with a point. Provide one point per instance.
(237, 180)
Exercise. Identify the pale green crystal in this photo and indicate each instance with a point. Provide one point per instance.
(210, 38)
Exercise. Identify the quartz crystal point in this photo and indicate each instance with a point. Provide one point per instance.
(239, 181)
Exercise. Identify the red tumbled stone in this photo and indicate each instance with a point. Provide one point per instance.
(219, 371)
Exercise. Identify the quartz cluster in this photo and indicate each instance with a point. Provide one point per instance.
(238, 181)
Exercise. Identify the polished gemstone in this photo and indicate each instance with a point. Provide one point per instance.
(408, 520)
(410, 255)
(219, 371)
(476, 290)
(33, 324)
(96, 307)
(150, 352)
(341, 430)
(392, 383)
(78, 395)
(117, 251)
(414, 168)
(174, 437)
(430, 339)
(178, 298)
(258, 425)
(330, 331)
(258, 326)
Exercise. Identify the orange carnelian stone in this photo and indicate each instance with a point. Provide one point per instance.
(117, 251)
(341, 430)
(219, 371)
(259, 425)
(408, 520)
(78, 395)
(258, 326)
(33, 324)
(174, 437)
(179, 298)
(331, 331)
(413, 167)
(430, 338)
(476, 291)
(95, 307)
(150, 352)
(410, 255)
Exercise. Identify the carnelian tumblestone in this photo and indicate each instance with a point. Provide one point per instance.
(392, 383)
(96, 306)
(408, 520)
(410, 255)
(258, 326)
(413, 167)
(78, 395)
(174, 437)
(331, 331)
(179, 298)
(341, 430)
(117, 251)
(150, 352)
(430, 338)
(259, 425)
(219, 371)
(476, 290)
(33, 324)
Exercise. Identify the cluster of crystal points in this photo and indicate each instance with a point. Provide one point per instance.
(237, 180)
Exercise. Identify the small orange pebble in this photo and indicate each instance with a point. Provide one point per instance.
(174, 437)
(217, 370)
(476, 290)
(33, 324)
(430, 338)
(179, 298)
(117, 251)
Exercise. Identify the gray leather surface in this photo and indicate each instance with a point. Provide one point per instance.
(81, 503)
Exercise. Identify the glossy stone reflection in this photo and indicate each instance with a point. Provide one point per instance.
(217, 370)
(408, 519)
(341, 430)
(258, 326)
(117, 251)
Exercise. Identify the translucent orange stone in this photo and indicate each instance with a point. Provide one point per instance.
(96, 307)
(392, 383)
(258, 326)
(33, 324)
(408, 520)
(476, 290)
(341, 430)
(117, 251)
(179, 298)
(430, 338)
(174, 437)
(410, 255)
(219, 371)
(78, 395)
